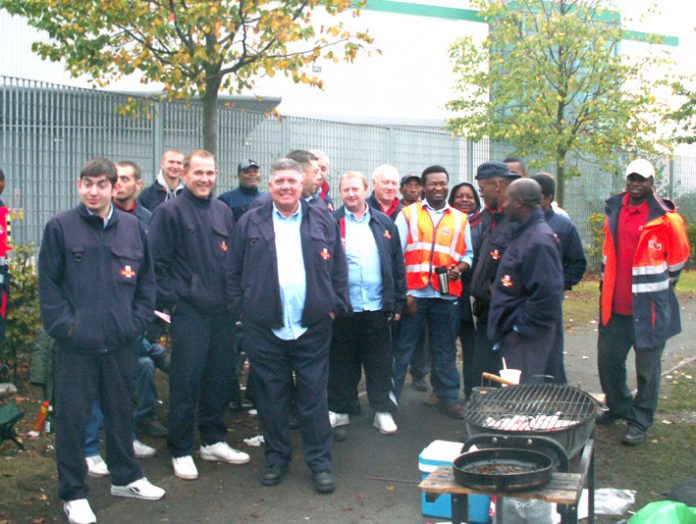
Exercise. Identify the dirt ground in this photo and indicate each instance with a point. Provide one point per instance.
(377, 476)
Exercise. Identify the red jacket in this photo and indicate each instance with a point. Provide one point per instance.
(662, 250)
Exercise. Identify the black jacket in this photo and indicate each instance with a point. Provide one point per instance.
(191, 239)
(391, 257)
(572, 253)
(154, 195)
(254, 291)
(528, 286)
(496, 230)
(96, 284)
(239, 200)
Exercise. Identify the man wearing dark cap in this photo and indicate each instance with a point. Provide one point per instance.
(410, 189)
(239, 200)
(493, 179)
(528, 288)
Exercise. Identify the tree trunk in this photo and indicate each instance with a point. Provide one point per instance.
(210, 117)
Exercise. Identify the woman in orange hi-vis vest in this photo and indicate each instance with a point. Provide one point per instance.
(435, 238)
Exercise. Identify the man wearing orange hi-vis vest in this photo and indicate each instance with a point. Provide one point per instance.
(644, 251)
(437, 249)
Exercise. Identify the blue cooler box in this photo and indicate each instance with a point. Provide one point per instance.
(443, 453)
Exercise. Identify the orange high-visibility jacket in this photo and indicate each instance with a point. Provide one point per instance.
(428, 247)
(663, 249)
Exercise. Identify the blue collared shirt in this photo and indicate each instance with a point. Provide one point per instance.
(364, 266)
(108, 217)
(436, 215)
(291, 273)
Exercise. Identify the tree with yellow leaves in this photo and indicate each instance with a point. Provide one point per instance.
(549, 79)
(191, 47)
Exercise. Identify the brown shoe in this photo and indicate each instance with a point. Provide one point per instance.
(452, 410)
(432, 401)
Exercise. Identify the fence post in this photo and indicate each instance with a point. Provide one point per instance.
(469, 159)
(671, 177)
(157, 138)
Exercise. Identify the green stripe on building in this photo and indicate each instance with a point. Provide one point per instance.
(471, 15)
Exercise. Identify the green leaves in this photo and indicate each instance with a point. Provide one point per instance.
(549, 79)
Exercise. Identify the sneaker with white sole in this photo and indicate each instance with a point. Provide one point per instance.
(384, 422)
(78, 511)
(96, 467)
(338, 419)
(185, 467)
(222, 451)
(142, 451)
(141, 489)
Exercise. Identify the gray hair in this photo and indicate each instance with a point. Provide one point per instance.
(284, 164)
(384, 169)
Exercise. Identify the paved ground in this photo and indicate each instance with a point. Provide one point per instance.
(376, 475)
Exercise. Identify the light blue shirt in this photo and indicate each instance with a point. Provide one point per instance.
(291, 273)
(108, 217)
(436, 215)
(364, 266)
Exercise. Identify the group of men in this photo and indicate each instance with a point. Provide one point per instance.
(320, 294)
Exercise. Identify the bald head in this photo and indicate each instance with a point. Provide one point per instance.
(523, 197)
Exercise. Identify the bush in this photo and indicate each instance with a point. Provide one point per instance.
(691, 231)
(23, 317)
(594, 250)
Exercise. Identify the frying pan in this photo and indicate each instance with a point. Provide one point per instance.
(503, 469)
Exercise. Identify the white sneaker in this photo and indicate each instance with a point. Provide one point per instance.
(338, 419)
(141, 489)
(142, 451)
(185, 468)
(79, 512)
(384, 422)
(96, 467)
(255, 442)
(225, 453)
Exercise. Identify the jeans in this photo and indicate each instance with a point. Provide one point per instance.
(442, 318)
(613, 344)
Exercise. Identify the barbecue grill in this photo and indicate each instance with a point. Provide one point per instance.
(563, 413)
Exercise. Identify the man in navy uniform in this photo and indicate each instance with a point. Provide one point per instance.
(167, 184)
(97, 248)
(289, 280)
(572, 258)
(377, 292)
(191, 237)
(528, 287)
(240, 199)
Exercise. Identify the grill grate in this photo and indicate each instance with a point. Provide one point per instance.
(531, 407)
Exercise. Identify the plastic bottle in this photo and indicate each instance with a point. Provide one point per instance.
(40, 419)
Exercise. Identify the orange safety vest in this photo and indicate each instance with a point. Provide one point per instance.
(663, 249)
(428, 247)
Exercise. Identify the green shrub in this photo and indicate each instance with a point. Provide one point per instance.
(691, 231)
(594, 250)
(23, 316)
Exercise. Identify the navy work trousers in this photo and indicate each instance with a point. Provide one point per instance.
(80, 378)
(273, 361)
(200, 375)
(529, 354)
(613, 344)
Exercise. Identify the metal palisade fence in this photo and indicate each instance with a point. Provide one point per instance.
(48, 131)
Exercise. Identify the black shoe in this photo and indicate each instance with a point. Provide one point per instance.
(419, 384)
(273, 474)
(323, 481)
(339, 434)
(452, 410)
(633, 435)
(152, 427)
(607, 417)
(164, 361)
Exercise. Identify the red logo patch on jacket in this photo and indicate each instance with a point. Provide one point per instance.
(387, 235)
(506, 281)
(223, 246)
(127, 272)
(325, 254)
(495, 254)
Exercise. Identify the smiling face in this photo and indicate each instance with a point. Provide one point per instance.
(354, 193)
(638, 188)
(386, 186)
(200, 176)
(435, 189)
(95, 194)
(250, 177)
(285, 187)
(172, 165)
(464, 199)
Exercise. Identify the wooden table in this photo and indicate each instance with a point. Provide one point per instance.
(564, 489)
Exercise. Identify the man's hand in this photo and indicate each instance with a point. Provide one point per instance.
(455, 272)
(332, 315)
(396, 317)
(411, 305)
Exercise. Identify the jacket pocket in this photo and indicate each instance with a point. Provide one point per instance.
(126, 263)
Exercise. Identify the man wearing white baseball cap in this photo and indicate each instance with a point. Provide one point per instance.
(645, 248)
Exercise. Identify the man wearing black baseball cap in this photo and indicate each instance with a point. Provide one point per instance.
(241, 198)
(493, 180)
(410, 189)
